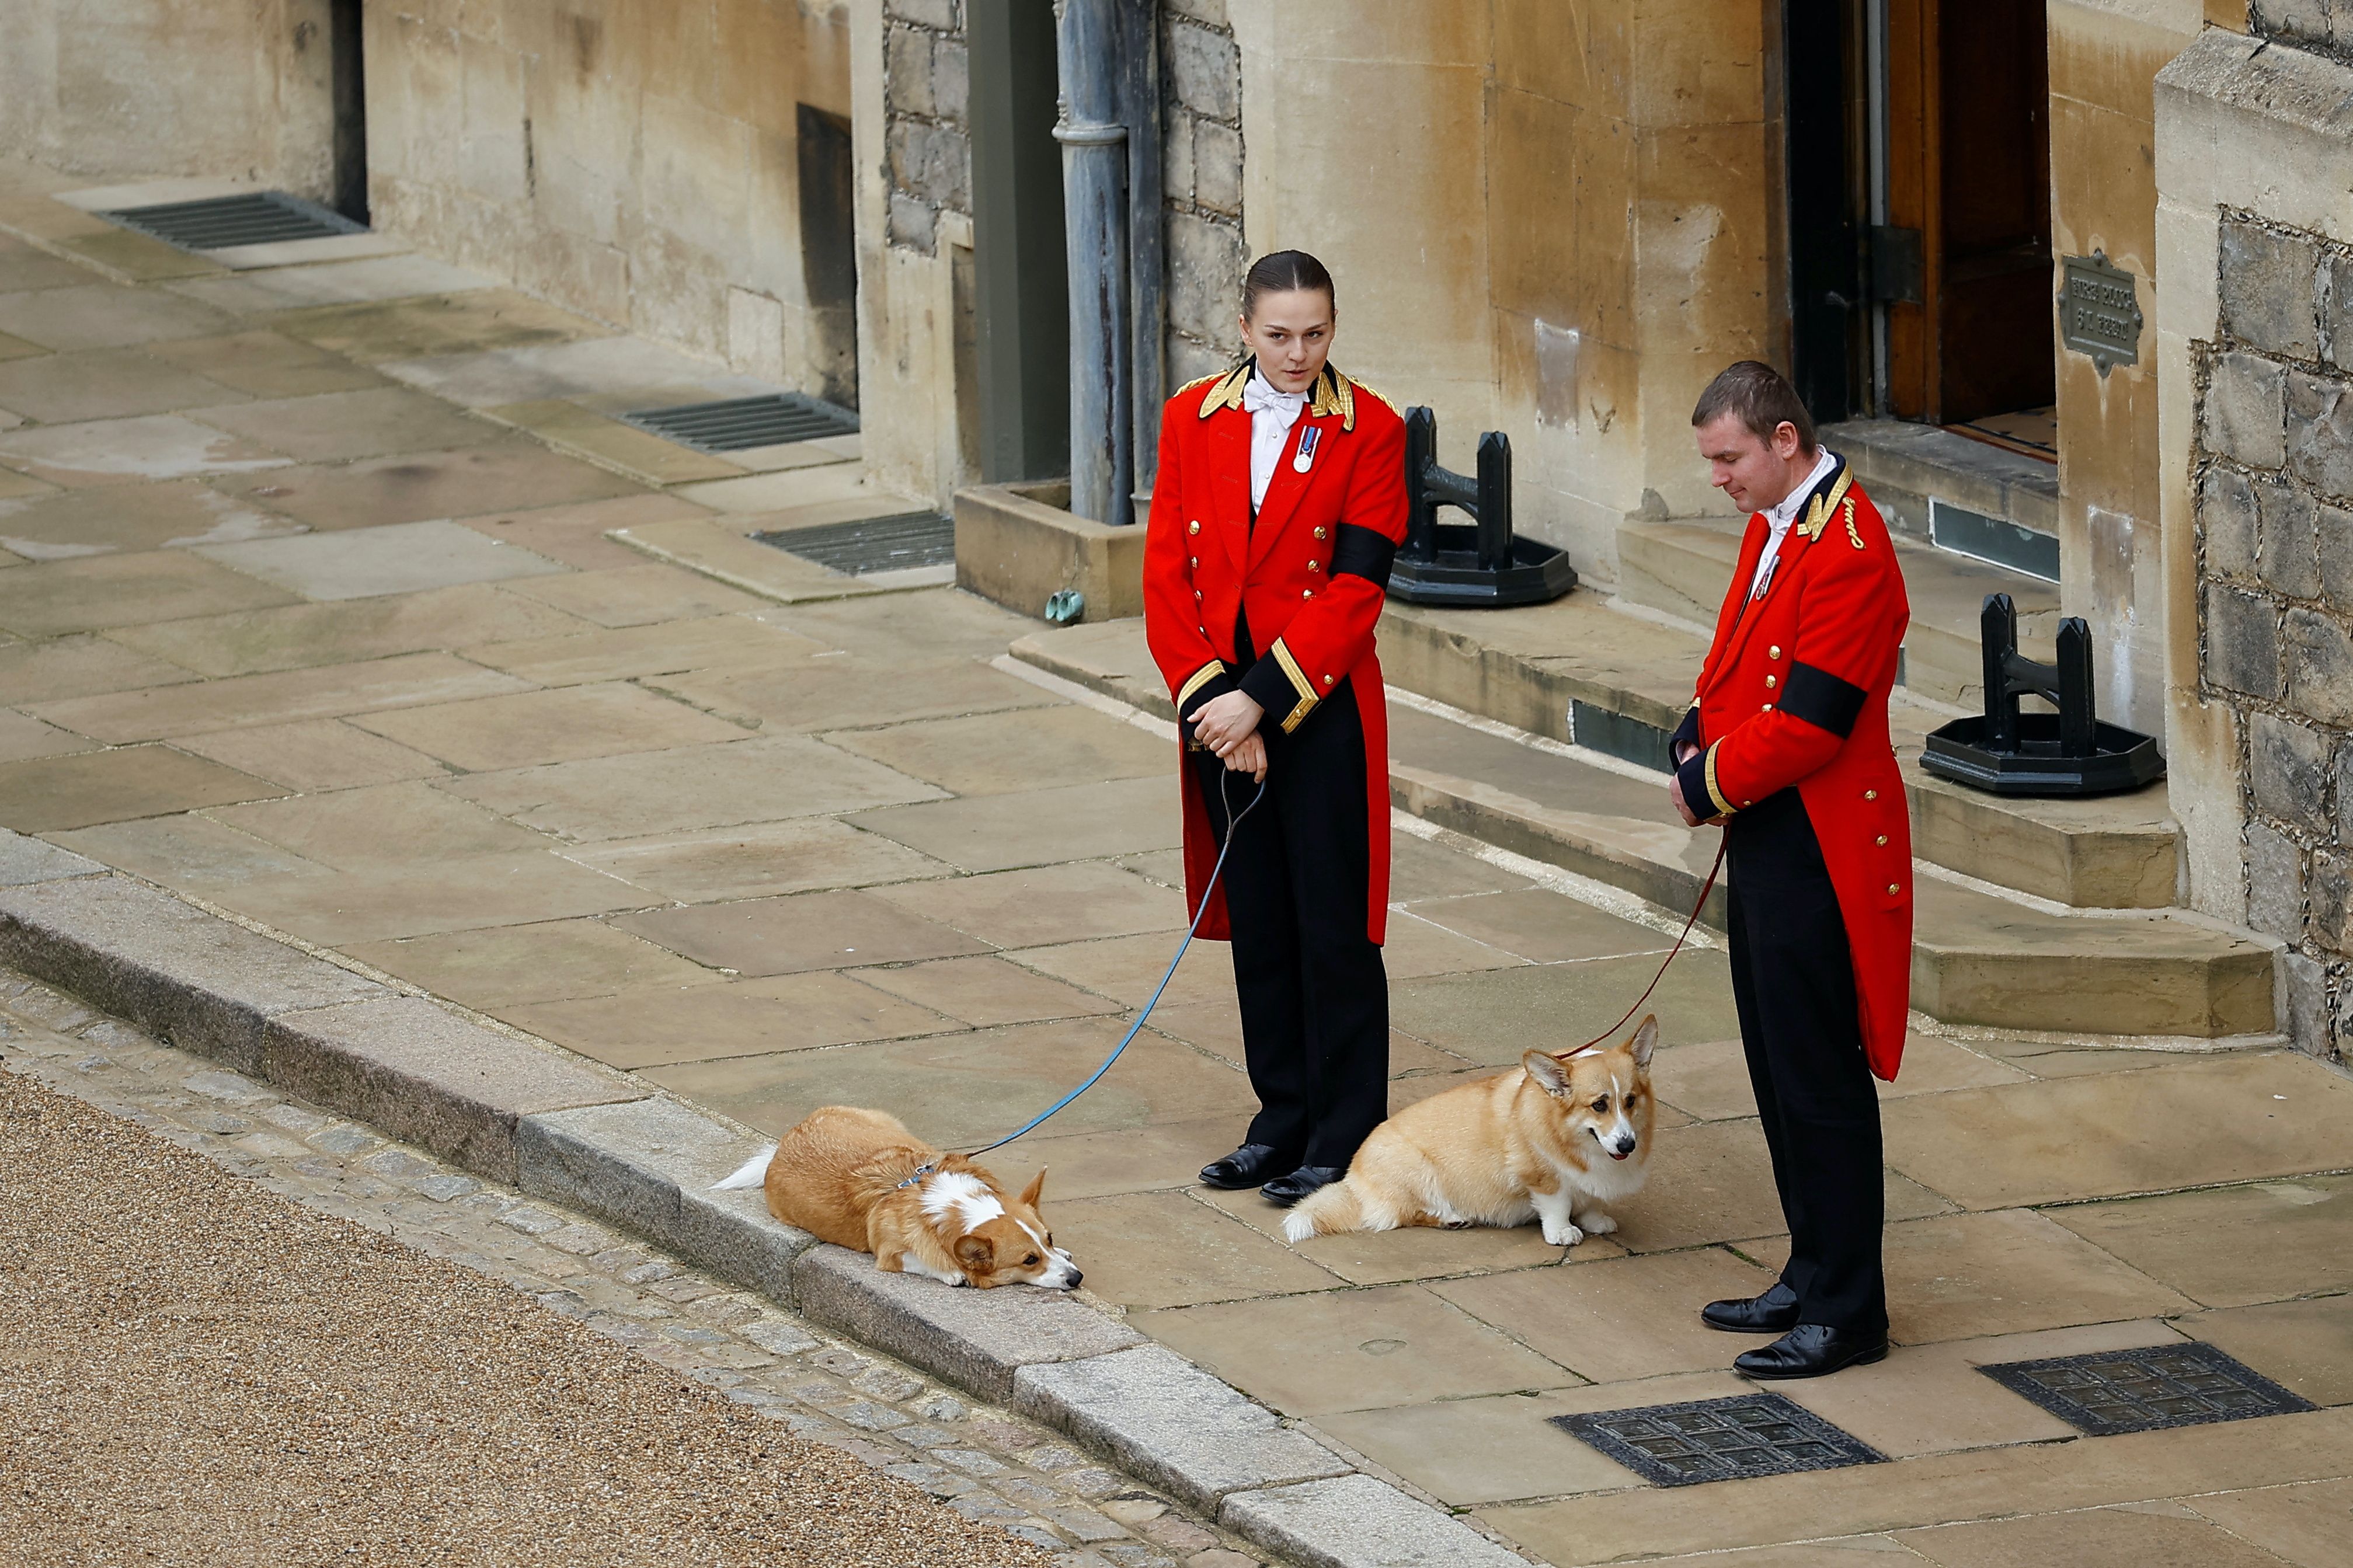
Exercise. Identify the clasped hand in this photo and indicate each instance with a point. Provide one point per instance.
(1227, 725)
(1684, 754)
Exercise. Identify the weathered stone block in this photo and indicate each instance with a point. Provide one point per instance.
(1172, 1425)
(23, 861)
(2337, 293)
(2320, 434)
(1218, 167)
(2320, 668)
(2290, 561)
(2227, 515)
(2332, 899)
(1213, 12)
(2344, 834)
(907, 71)
(419, 1072)
(2288, 767)
(2269, 287)
(1177, 160)
(2246, 410)
(650, 1165)
(2334, 527)
(2310, 1029)
(913, 224)
(1206, 69)
(940, 14)
(1356, 1522)
(2299, 21)
(974, 1339)
(951, 80)
(2242, 642)
(1206, 263)
(199, 981)
(2274, 883)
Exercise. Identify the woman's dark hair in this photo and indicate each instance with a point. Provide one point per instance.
(1281, 272)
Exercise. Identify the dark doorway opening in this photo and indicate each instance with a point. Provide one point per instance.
(1828, 323)
(1021, 306)
(829, 250)
(347, 86)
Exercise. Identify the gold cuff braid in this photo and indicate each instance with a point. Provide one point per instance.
(1195, 681)
(1299, 683)
(1715, 791)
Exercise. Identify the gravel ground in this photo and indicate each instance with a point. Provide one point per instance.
(199, 1369)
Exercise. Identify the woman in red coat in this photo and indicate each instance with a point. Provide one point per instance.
(1278, 506)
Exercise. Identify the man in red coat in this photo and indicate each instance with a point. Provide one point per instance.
(1278, 508)
(1786, 745)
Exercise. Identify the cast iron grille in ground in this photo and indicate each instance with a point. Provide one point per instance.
(1718, 1439)
(219, 223)
(737, 423)
(872, 543)
(2140, 1390)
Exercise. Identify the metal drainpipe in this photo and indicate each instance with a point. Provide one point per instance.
(1095, 219)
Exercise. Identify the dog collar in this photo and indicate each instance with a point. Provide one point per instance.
(921, 1171)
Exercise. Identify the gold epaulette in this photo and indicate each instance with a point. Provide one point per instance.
(1228, 393)
(1817, 515)
(1374, 393)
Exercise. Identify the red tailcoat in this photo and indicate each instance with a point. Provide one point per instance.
(1795, 692)
(1310, 573)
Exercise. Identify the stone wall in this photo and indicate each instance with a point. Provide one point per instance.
(2324, 27)
(634, 160)
(1201, 148)
(925, 82)
(2276, 563)
(118, 88)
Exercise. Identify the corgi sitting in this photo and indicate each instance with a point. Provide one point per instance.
(860, 1179)
(1552, 1140)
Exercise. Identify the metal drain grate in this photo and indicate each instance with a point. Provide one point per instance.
(872, 543)
(219, 222)
(2140, 1391)
(734, 423)
(1718, 1439)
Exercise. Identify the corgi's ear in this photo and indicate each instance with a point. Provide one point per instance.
(1645, 1040)
(1547, 1072)
(1036, 1189)
(976, 1253)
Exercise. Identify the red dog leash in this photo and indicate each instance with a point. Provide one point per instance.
(1706, 889)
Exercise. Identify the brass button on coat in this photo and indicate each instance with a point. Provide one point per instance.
(1197, 563)
(1893, 889)
(1870, 794)
(1773, 652)
(1769, 708)
(1327, 680)
(1770, 680)
(1194, 527)
(1323, 532)
(1306, 592)
(1315, 566)
(1882, 838)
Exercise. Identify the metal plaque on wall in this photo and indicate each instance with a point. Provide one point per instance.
(2099, 310)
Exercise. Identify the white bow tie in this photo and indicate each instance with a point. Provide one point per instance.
(1260, 396)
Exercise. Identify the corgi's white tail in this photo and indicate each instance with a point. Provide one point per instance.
(750, 1174)
(1325, 1212)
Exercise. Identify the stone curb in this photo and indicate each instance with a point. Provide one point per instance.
(563, 1129)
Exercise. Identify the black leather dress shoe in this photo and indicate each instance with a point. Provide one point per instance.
(1285, 1191)
(1811, 1350)
(1774, 1312)
(1251, 1166)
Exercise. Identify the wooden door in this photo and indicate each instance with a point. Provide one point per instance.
(1968, 169)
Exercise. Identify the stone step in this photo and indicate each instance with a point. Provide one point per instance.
(1681, 569)
(1581, 669)
(1978, 959)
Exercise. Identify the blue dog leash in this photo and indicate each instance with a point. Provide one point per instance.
(1233, 820)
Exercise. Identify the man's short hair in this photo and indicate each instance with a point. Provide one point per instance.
(1761, 396)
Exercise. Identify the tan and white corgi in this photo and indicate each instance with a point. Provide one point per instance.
(850, 1177)
(1552, 1140)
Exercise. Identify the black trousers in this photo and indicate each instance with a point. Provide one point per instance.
(1793, 982)
(1315, 997)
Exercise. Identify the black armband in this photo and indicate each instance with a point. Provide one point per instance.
(1366, 552)
(1822, 699)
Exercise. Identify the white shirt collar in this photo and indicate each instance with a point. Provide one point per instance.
(1272, 414)
(1779, 518)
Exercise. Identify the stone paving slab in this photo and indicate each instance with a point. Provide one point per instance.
(1356, 1522)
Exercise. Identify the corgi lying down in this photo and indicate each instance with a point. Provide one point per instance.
(1552, 1140)
(849, 1176)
